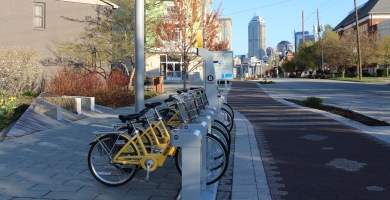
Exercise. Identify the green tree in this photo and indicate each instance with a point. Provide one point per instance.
(307, 56)
(348, 51)
(288, 66)
(370, 48)
(337, 55)
(384, 52)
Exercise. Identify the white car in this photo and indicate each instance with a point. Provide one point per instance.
(305, 74)
(308, 74)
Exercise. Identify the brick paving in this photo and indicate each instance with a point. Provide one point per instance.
(304, 155)
(309, 156)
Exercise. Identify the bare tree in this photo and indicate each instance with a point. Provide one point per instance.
(108, 39)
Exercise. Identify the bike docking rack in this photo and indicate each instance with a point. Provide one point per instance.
(197, 119)
(190, 138)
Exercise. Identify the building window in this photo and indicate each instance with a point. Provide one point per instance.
(39, 16)
(170, 6)
(170, 67)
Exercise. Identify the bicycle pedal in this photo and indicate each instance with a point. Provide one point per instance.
(149, 165)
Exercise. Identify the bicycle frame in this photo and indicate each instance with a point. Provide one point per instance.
(175, 119)
(136, 146)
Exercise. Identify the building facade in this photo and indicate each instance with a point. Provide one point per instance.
(160, 63)
(226, 31)
(384, 28)
(35, 24)
(257, 38)
(370, 15)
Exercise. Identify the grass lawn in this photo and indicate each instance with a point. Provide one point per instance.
(364, 79)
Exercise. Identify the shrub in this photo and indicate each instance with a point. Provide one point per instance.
(20, 71)
(381, 72)
(7, 105)
(313, 102)
(266, 82)
(112, 91)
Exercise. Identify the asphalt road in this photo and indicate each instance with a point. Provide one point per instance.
(370, 99)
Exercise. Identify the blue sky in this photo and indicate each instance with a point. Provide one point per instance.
(282, 17)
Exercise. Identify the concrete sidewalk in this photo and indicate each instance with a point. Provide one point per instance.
(52, 164)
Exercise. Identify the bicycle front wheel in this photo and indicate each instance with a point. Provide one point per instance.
(227, 119)
(228, 108)
(224, 128)
(100, 162)
(221, 136)
(217, 159)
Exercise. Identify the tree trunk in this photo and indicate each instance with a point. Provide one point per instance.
(131, 79)
(343, 73)
(184, 77)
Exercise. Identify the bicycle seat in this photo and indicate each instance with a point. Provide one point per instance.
(169, 99)
(152, 105)
(136, 116)
(181, 91)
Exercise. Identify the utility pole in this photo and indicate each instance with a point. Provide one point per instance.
(360, 71)
(303, 27)
(319, 39)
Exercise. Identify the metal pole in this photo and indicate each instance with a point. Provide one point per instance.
(319, 39)
(139, 54)
(358, 43)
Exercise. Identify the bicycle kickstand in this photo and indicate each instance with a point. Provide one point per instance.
(149, 164)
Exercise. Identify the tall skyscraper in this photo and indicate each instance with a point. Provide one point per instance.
(256, 38)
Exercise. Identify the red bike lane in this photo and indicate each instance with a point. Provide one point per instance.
(309, 156)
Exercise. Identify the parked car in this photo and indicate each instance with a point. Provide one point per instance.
(319, 74)
(308, 74)
(305, 74)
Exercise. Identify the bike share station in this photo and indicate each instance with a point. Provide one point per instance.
(192, 138)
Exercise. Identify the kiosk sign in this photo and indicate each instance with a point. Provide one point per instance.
(223, 64)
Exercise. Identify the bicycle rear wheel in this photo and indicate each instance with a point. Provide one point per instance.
(217, 159)
(100, 162)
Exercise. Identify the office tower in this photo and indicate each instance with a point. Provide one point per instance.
(256, 38)
(299, 40)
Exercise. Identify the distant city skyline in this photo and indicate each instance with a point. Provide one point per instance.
(282, 17)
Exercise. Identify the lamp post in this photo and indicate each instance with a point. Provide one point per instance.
(139, 54)
(358, 43)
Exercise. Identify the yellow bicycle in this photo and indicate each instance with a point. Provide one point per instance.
(115, 156)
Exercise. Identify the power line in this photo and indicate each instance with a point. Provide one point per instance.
(257, 8)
